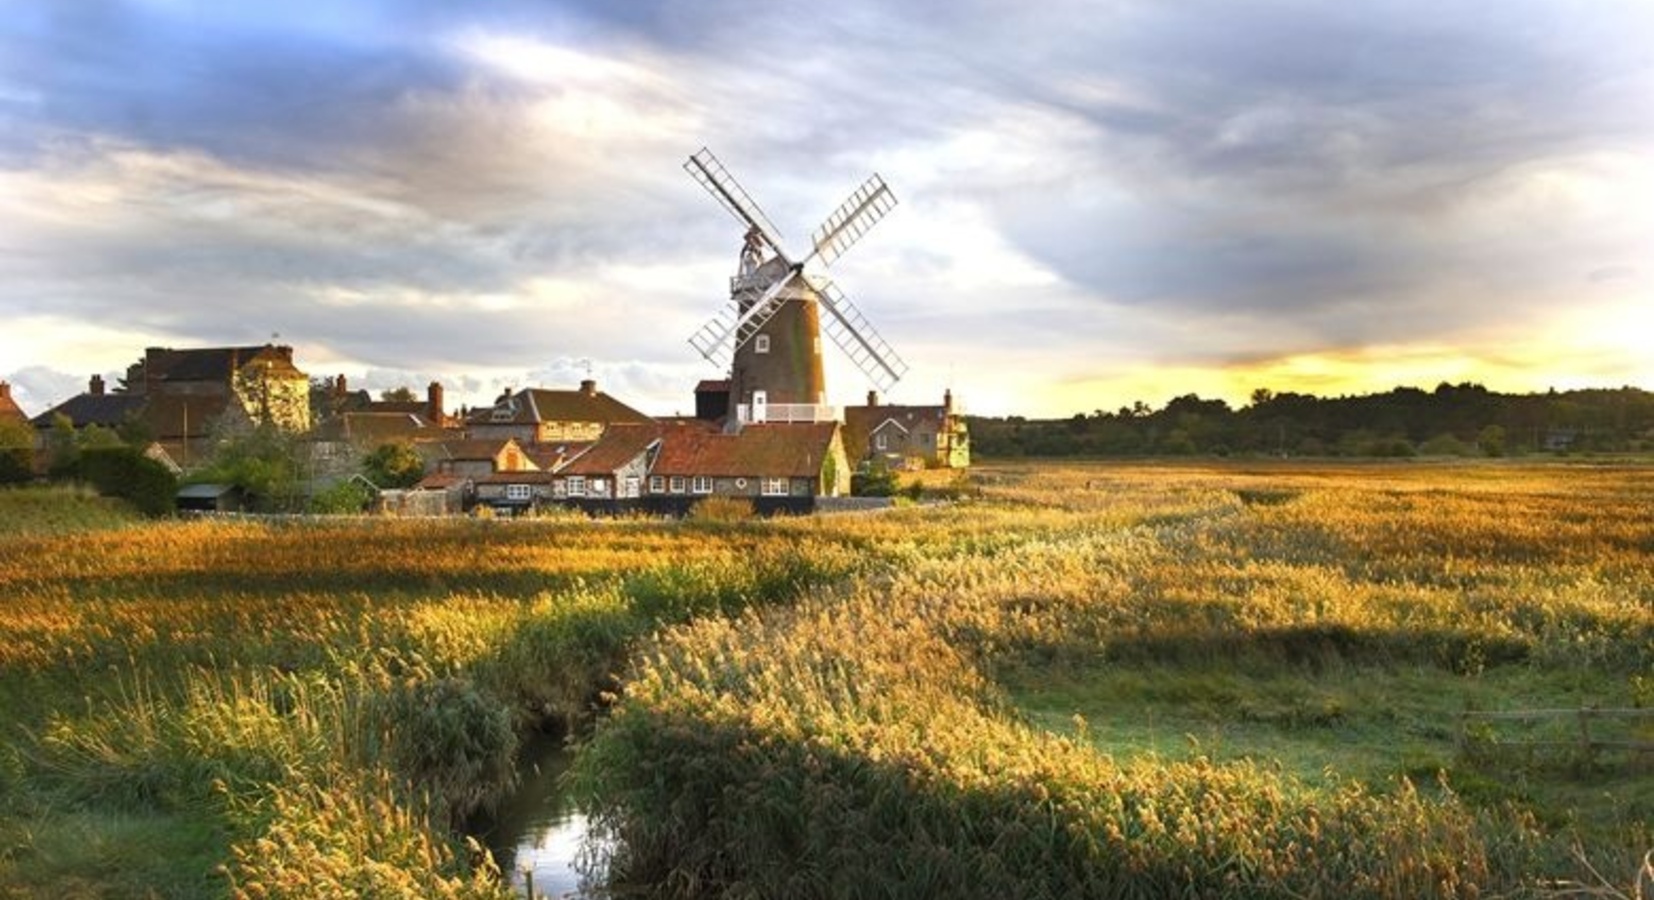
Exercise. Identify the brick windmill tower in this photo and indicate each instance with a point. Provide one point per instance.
(769, 334)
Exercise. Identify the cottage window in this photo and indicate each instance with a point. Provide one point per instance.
(761, 344)
(677, 484)
(577, 485)
(774, 487)
(701, 485)
(600, 487)
(657, 484)
(518, 492)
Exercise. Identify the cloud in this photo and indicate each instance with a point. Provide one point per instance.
(435, 188)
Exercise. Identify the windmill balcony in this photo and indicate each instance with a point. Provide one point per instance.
(786, 412)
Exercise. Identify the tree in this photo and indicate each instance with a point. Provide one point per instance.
(394, 465)
(16, 452)
(403, 394)
(263, 460)
(1492, 440)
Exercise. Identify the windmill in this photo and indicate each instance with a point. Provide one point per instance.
(769, 334)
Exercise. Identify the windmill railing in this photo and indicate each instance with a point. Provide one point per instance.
(786, 412)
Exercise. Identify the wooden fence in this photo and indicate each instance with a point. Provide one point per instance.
(1583, 733)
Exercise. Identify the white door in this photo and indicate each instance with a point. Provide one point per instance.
(760, 406)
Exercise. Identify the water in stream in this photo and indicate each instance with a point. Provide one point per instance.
(537, 832)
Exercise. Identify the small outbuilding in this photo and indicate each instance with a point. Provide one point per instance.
(211, 498)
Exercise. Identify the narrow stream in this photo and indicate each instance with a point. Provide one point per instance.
(537, 833)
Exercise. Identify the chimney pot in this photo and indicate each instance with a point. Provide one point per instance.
(340, 386)
(96, 386)
(947, 401)
(588, 387)
(872, 398)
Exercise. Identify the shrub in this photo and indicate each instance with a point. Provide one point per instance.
(722, 509)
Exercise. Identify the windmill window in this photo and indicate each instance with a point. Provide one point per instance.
(702, 484)
(761, 344)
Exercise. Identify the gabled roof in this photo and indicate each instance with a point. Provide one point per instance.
(619, 445)
(469, 449)
(370, 429)
(105, 410)
(861, 421)
(713, 386)
(535, 405)
(774, 450)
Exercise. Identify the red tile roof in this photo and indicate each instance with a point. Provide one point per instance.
(534, 405)
(619, 445)
(774, 450)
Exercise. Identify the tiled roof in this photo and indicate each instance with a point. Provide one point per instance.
(516, 478)
(106, 410)
(775, 450)
(369, 429)
(713, 386)
(468, 449)
(214, 363)
(439, 481)
(540, 405)
(550, 456)
(619, 445)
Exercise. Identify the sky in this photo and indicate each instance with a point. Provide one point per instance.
(1099, 202)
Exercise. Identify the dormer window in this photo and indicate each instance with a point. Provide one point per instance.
(761, 344)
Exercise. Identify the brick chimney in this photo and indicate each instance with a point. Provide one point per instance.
(5, 390)
(872, 398)
(340, 387)
(947, 402)
(588, 387)
(95, 386)
(433, 403)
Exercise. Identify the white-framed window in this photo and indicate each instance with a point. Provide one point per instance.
(702, 484)
(518, 492)
(774, 487)
(634, 486)
(880, 442)
(559, 489)
(677, 484)
(577, 485)
(599, 487)
(761, 344)
(657, 484)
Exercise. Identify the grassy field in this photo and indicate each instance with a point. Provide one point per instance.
(1079, 680)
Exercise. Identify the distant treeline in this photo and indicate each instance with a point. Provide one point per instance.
(1452, 420)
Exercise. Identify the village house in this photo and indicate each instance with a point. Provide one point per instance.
(542, 416)
(613, 467)
(908, 437)
(179, 396)
(761, 461)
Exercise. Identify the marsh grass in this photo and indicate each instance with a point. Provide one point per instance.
(1069, 681)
